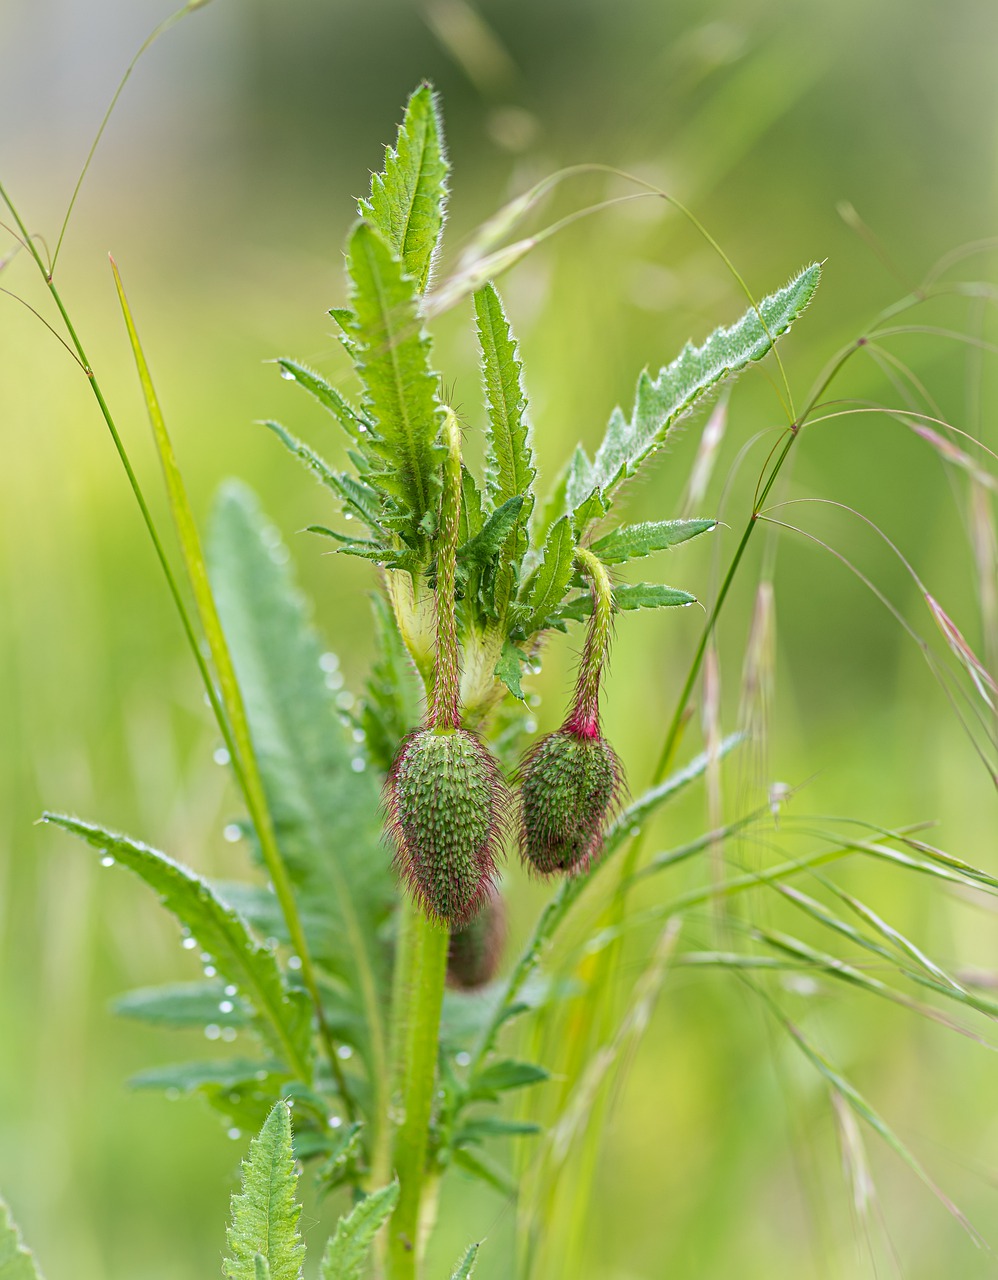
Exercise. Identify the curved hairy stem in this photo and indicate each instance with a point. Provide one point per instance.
(584, 717)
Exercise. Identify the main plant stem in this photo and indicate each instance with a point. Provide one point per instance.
(422, 951)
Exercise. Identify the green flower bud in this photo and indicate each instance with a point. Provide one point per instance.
(476, 949)
(446, 802)
(570, 783)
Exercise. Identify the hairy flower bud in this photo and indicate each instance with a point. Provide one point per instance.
(446, 801)
(570, 783)
(476, 948)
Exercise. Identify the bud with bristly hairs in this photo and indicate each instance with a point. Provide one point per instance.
(445, 797)
(572, 780)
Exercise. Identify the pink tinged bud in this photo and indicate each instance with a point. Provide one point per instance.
(446, 802)
(476, 949)
(570, 783)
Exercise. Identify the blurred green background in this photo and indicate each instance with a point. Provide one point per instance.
(223, 188)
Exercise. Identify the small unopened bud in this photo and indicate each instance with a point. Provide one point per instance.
(476, 949)
(446, 801)
(570, 783)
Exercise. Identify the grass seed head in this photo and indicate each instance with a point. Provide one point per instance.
(446, 802)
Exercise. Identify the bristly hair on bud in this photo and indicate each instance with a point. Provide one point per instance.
(445, 798)
(571, 781)
(476, 949)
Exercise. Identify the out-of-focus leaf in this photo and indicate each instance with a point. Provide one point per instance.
(391, 706)
(508, 1074)
(226, 1073)
(16, 1261)
(486, 1170)
(185, 1004)
(325, 812)
(284, 1015)
(493, 1127)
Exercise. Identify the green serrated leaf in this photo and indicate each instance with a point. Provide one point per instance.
(265, 1212)
(16, 1261)
(628, 595)
(487, 543)
(393, 360)
(472, 509)
(408, 200)
(467, 1264)
(544, 589)
(325, 813)
(509, 470)
(358, 498)
(185, 1004)
(632, 541)
(661, 401)
(509, 668)
(508, 1074)
(346, 1253)
(350, 419)
(392, 700)
(284, 1015)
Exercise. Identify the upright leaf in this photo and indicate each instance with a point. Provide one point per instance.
(325, 812)
(409, 198)
(509, 470)
(347, 1251)
(221, 934)
(661, 401)
(16, 1262)
(265, 1212)
(393, 360)
(544, 589)
(467, 1264)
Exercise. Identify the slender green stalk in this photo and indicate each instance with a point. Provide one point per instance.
(425, 951)
(421, 963)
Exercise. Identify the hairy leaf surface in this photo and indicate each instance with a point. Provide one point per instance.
(265, 1211)
(409, 198)
(661, 401)
(346, 1253)
(393, 360)
(632, 541)
(544, 589)
(350, 418)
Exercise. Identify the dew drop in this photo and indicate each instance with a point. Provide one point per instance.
(228, 1033)
(210, 971)
(234, 1133)
(358, 735)
(329, 662)
(334, 680)
(345, 700)
(212, 1031)
(225, 1006)
(172, 1094)
(335, 1122)
(261, 1075)
(530, 726)
(107, 861)
(231, 989)
(189, 943)
(344, 1052)
(205, 957)
(463, 1059)
(358, 764)
(232, 832)
(361, 428)
(347, 515)
(294, 962)
(287, 375)
(221, 755)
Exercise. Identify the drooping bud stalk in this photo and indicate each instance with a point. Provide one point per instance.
(572, 779)
(445, 796)
(476, 949)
